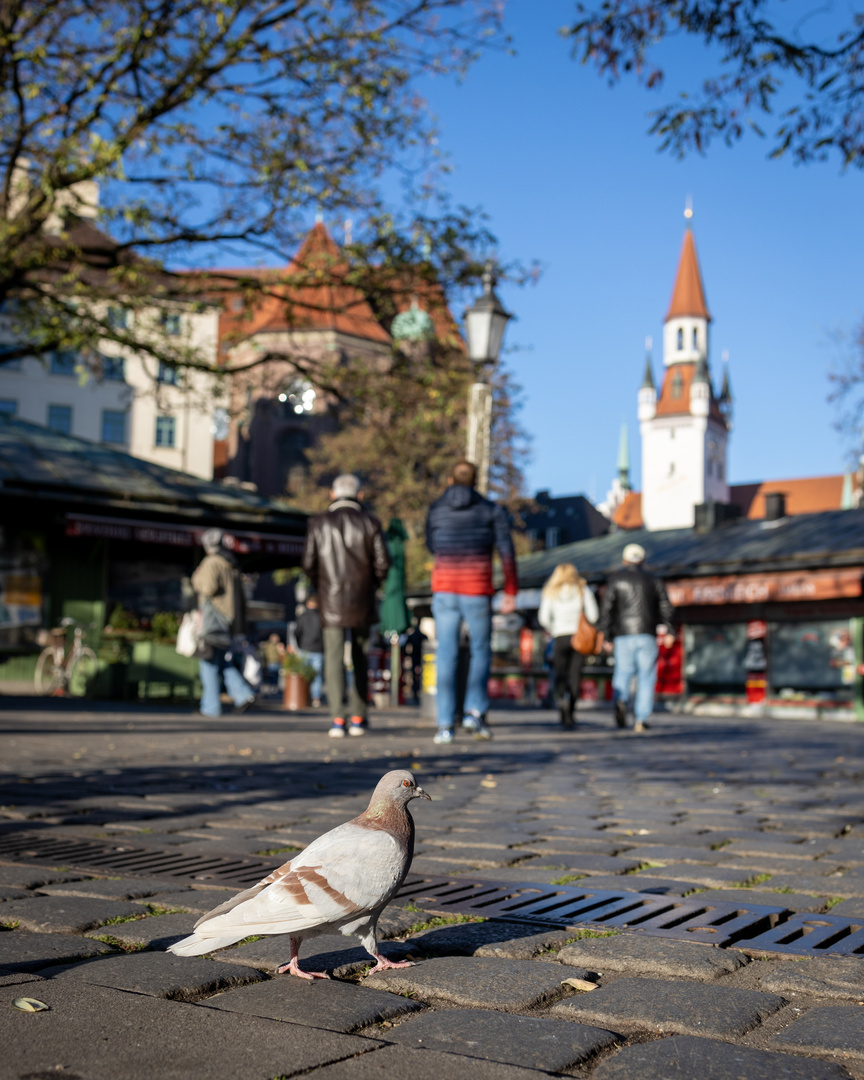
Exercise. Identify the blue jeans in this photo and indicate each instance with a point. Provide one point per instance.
(636, 654)
(448, 610)
(212, 672)
(315, 660)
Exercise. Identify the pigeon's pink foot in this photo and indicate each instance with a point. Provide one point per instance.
(293, 968)
(384, 964)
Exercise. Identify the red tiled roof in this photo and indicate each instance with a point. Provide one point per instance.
(688, 296)
(807, 495)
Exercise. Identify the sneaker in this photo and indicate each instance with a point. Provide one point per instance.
(316, 703)
(640, 726)
(474, 723)
(443, 735)
(245, 707)
(621, 714)
(359, 725)
(338, 730)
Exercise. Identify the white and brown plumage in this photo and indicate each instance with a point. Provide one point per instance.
(341, 882)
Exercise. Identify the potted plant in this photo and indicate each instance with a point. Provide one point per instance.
(298, 674)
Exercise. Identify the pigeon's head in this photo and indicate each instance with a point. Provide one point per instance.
(400, 787)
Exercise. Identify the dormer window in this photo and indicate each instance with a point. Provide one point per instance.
(680, 339)
(677, 383)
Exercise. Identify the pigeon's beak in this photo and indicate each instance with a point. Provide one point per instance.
(419, 792)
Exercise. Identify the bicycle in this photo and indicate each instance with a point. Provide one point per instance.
(59, 672)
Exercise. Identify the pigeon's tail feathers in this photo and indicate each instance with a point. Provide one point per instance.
(197, 946)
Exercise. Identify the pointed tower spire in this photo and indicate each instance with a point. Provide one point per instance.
(724, 402)
(624, 458)
(688, 296)
(648, 381)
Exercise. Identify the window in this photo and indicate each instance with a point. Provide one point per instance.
(171, 323)
(677, 383)
(60, 419)
(552, 537)
(8, 407)
(118, 318)
(63, 362)
(166, 430)
(168, 375)
(113, 368)
(113, 426)
(695, 338)
(680, 340)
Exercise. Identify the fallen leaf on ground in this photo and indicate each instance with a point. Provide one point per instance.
(29, 1005)
(580, 984)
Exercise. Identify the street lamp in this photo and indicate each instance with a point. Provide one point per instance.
(485, 322)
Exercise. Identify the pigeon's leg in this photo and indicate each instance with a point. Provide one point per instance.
(369, 941)
(293, 965)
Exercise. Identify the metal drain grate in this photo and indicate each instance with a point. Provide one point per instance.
(567, 906)
(751, 927)
(44, 850)
(812, 935)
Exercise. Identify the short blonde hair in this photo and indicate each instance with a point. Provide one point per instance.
(565, 573)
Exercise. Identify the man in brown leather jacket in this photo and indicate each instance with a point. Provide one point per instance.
(346, 560)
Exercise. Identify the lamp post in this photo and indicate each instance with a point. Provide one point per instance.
(485, 322)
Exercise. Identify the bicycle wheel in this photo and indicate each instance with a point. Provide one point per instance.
(82, 673)
(49, 674)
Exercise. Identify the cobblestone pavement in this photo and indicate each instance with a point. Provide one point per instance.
(745, 812)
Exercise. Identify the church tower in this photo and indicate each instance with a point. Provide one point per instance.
(684, 427)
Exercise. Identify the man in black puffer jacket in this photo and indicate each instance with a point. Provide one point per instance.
(346, 559)
(634, 605)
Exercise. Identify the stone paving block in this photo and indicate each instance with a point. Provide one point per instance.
(707, 877)
(13, 894)
(16, 876)
(773, 845)
(669, 853)
(400, 1061)
(158, 974)
(643, 883)
(831, 976)
(542, 946)
(18, 979)
(65, 914)
(20, 951)
(110, 888)
(338, 955)
(791, 901)
(154, 932)
(532, 1042)
(330, 1004)
(130, 1035)
(831, 1029)
(478, 982)
(396, 920)
(195, 901)
(655, 955)
(816, 885)
(686, 1008)
(589, 863)
(464, 939)
(687, 1058)
(474, 855)
(853, 909)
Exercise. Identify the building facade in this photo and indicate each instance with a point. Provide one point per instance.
(684, 426)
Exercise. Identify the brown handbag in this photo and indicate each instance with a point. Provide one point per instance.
(586, 640)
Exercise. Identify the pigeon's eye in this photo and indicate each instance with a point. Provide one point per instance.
(406, 783)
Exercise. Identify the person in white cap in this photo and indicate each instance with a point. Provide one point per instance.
(634, 606)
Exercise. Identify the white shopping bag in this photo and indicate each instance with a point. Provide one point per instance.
(187, 634)
(251, 668)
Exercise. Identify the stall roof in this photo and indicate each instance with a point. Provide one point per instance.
(803, 541)
(37, 462)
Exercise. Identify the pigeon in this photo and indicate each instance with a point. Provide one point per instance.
(341, 882)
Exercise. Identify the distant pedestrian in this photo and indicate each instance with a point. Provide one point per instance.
(310, 645)
(274, 653)
(413, 650)
(223, 626)
(346, 560)
(634, 607)
(565, 598)
(462, 531)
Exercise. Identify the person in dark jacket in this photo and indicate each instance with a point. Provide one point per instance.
(634, 606)
(346, 559)
(310, 645)
(462, 531)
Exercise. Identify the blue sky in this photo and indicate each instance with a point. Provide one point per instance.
(566, 170)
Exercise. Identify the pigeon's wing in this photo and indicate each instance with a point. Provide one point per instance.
(348, 871)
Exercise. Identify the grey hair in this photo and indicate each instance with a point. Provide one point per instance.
(211, 541)
(346, 486)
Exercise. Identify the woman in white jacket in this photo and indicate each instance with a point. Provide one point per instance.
(565, 596)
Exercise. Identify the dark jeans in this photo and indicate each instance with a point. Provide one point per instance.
(567, 665)
(334, 671)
